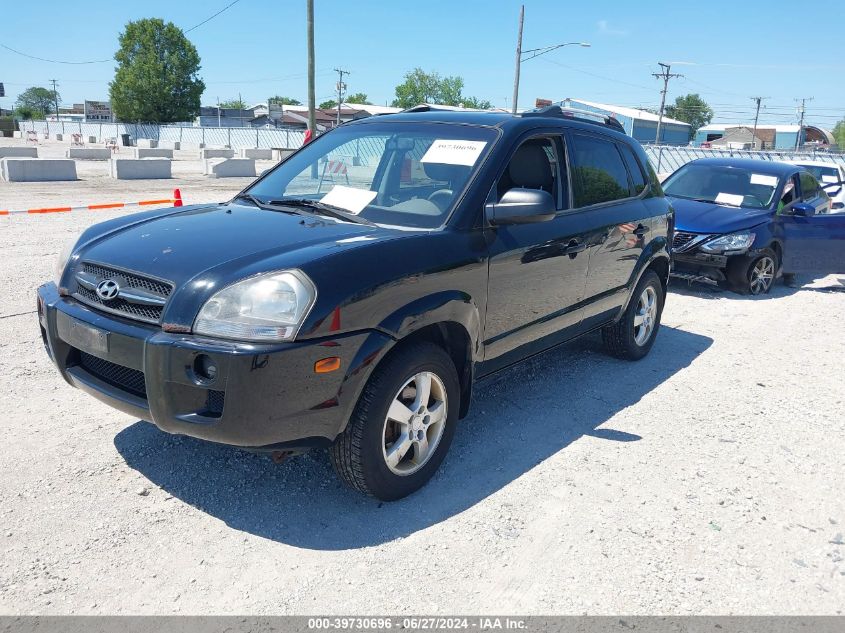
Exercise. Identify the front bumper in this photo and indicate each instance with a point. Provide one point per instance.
(263, 396)
(699, 267)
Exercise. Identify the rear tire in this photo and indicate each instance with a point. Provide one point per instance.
(397, 435)
(633, 335)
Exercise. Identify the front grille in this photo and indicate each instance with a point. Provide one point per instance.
(130, 380)
(129, 281)
(683, 240)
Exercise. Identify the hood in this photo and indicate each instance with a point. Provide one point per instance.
(179, 246)
(709, 217)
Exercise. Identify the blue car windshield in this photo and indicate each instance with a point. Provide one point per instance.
(724, 185)
(404, 174)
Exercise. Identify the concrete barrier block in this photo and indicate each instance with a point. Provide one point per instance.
(18, 152)
(89, 153)
(36, 169)
(147, 142)
(153, 152)
(60, 137)
(92, 139)
(258, 154)
(207, 153)
(139, 169)
(17, 134)
(169, 144)
(230, 168)
(281, 154)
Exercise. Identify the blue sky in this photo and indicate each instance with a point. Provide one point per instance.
(728, 51)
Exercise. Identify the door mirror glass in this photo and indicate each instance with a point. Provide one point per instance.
(522, 206)
(803, 209)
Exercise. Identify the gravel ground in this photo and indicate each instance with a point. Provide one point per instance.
(707, 478)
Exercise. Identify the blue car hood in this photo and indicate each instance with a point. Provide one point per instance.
(708, 217)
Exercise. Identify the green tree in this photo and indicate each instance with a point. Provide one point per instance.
(234, 104)
(839, 134)
(422, 87)
(690, 109)
(36, 103)
(284, 100)
(328, 105)
(358, 97)
(475, 102)
(156, 78)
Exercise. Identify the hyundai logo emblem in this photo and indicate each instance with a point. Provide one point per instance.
(108, 289)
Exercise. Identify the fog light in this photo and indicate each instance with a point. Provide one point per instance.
(205, 367)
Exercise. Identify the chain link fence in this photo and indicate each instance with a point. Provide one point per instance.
(667, 158)
(236, 138)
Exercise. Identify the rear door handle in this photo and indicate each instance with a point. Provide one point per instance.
(573, 248)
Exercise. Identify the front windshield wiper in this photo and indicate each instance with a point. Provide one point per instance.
(267, 206)
(321, 208)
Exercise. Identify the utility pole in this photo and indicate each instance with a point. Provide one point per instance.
(55, 98)
(801, 124)
(756, 118)
(312, 99)
(518, 59)
(218, 112)
(341, 87)
(665, 75)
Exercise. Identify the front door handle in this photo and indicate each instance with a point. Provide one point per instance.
(573, 248)
(640, 230)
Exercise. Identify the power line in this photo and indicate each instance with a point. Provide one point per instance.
(209, 19)
(54, 61)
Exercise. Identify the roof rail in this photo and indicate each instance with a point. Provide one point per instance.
(584, 116)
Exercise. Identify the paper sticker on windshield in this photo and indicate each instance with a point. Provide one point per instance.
(450, 152)
(829, 178)
(729, 198)
(349, 198)
(763, 179)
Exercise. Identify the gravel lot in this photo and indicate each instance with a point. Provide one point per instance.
(707, 478)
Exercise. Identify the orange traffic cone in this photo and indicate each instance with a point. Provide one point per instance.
(177, 198)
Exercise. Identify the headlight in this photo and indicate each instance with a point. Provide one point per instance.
(268, 307)
(62, 260)
(730, 242)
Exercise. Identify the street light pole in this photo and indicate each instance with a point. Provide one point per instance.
(534, 52)
(518, 59)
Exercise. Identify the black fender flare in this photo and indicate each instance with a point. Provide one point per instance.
(656, 250)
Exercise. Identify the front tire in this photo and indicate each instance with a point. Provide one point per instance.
(633, 335)
(753, 275)
(403, 424)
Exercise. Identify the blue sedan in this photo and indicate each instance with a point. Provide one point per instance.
(744, 223)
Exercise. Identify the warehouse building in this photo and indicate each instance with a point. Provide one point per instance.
(639, 124)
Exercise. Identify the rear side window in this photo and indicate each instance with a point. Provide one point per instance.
(634, 169)
(599, 175)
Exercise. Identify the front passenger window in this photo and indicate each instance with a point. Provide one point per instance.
(809, 187)
(533, 166)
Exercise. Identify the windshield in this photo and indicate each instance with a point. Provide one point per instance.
(823, 174)
(401, 174)
(729, 186)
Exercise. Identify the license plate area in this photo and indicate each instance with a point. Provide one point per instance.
(85, 337)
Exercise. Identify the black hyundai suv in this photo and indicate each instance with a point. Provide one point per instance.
(350, 297)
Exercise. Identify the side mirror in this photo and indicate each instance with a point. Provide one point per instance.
(522, 206)
(803, 209)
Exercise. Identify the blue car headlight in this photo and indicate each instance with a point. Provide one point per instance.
(729, 242)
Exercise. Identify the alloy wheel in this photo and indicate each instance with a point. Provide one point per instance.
(646, 316)
(414, 424)
(762, 275)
